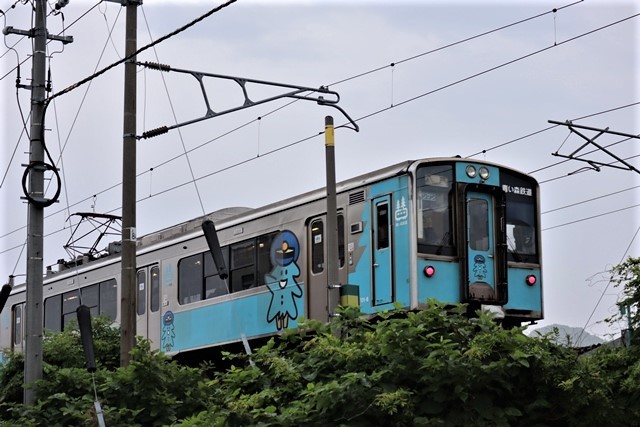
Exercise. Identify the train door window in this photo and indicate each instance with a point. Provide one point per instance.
(382, 214)
(70, 301)
(141, 293)
(155, 289)
(52, 313)
(214, 286)
(243, 265)
(17, 324)
(190, 273)
(109, 298)
(434, 202)
(90, 298)
(317, 246)
(341, 240)
(478, 224)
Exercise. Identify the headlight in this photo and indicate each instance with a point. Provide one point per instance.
(484, 173)
(471, 171)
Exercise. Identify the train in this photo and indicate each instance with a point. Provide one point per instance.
(451, 229)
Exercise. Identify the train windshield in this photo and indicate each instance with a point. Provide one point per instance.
(521, 217)
(434, 203)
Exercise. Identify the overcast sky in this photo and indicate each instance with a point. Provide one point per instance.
(558, 66)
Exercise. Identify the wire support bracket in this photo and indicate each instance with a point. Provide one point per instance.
(32, 33)
(593, 164)
(322, 96)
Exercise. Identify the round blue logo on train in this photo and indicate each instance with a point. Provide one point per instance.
(284, 249)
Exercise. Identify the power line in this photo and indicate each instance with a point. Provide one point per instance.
(393, 64)
(488, 70)
(175, 118)
(66, 28)
(582, 171)
(372, 114)
(592, 217)
(142, 49)
(590, 200)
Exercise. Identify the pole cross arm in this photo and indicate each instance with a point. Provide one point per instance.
(595, 165)
(321, 95)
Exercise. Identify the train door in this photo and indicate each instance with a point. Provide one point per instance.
(481, 268)
(382, 250)
(17, 327)
(148, 303)
(317, 275)
(317, 279)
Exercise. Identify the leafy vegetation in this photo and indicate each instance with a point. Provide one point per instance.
(152, 390)
(433, 367)
(424, 368)
(627, 276)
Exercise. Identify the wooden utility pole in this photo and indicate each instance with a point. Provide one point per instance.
(128, 272)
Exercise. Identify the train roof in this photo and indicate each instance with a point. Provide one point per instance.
(228, 217)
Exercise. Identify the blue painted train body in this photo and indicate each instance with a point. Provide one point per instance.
(448, 229)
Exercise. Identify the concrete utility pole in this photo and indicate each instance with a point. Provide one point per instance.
(35, 220)
(128, 272)
(35, 194)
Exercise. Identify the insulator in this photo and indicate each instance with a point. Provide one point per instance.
(155, 132)
(157, 66)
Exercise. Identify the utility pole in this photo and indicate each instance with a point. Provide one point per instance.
(128, 272)
(35, 194)
(35, 220)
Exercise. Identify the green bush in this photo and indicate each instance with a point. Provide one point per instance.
(152, 390)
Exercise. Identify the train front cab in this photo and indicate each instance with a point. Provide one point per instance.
(477, 238)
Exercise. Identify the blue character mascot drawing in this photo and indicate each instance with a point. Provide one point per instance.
(281, 281)
(168, 331)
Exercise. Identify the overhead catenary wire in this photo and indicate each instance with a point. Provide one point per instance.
(589, 200)
(302, 140)
(60, 33)
(175, 118)
(396, 62)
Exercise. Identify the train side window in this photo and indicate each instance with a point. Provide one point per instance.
(17, 324)
(214, 286)
(317, 246)
(53, 313)
(141, 292)
(90, 298)
(263, 256)
(242, 269)
(109, 298)
(155, 289)
(190, 274)
(70, 302)
(434, 203)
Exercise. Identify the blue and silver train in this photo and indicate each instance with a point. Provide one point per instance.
(451, 229)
